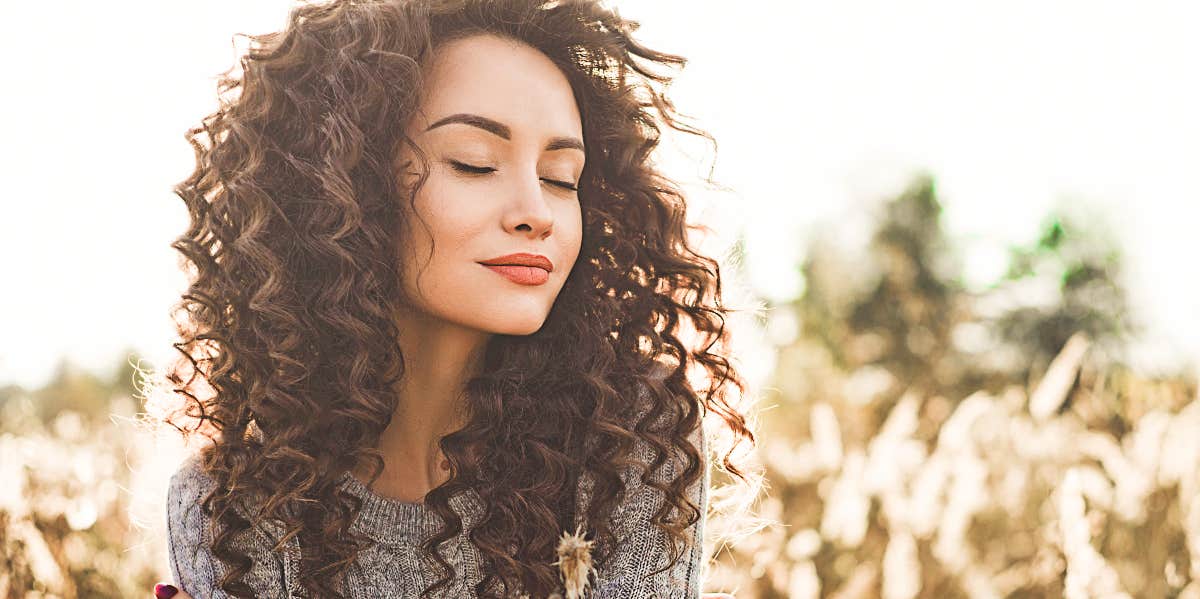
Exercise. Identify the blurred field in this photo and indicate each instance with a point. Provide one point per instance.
(919, 438)
(982, 498)
(923, 439)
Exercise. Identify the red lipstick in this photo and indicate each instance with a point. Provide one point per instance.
(521, 268)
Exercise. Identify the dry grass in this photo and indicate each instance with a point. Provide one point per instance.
(1084, 485)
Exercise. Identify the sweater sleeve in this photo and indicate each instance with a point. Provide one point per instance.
(194, 567)
(643, 548)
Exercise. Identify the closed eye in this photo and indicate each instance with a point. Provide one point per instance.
(561, 184)
(483, 170)
(466, 168)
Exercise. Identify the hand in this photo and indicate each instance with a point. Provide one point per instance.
(717, 596)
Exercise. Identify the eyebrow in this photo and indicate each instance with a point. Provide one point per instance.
(500, 129)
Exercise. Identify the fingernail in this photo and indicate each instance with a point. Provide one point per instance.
(164, 591)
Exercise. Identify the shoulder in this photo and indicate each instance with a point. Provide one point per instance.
(192, 566)
(189, 486)
(186, 489)
(645, 401)
(190, 537)
(653, 445)
(189, 477)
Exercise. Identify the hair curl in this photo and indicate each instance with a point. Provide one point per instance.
(294, 204)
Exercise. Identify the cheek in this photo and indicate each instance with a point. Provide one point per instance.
(577, 228)
(446, 218)
(571, 232)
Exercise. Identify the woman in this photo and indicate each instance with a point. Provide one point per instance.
(436, 305)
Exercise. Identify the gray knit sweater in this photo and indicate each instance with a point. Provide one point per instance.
(395, 567)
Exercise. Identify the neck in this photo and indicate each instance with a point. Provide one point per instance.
(439, 357)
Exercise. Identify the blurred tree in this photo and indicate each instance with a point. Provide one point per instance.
(73, 388)
(889, 311)
(1078, 259)
(913, 307)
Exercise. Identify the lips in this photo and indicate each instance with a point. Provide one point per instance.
(521, 259)
(521, 268)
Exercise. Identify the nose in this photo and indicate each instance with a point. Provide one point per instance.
(529, 209)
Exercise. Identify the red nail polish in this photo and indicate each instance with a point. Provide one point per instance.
(164, 591)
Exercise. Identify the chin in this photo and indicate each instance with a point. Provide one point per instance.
(524, 316)
(509, 321)
(518, 327)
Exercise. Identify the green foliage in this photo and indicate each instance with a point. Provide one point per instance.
(912, 312)
(1079, 259)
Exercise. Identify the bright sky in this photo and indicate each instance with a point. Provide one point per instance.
(818, 107)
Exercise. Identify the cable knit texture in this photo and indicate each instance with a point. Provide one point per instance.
(395, 565)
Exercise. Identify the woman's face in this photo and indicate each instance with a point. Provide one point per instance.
(502, 133)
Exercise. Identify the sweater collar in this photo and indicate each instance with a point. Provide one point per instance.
(392, 521)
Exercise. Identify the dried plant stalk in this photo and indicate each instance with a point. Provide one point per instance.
(1059, 377)
(574, 562)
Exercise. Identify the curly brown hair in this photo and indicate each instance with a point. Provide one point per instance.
(294, 204)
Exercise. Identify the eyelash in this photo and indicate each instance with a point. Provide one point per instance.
(483, 170)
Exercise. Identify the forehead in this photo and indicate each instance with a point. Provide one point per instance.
(501, 79)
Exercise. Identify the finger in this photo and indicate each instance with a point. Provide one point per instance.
(167, 591)
(717, 596)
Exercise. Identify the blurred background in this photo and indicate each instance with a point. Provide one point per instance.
(960, 238)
